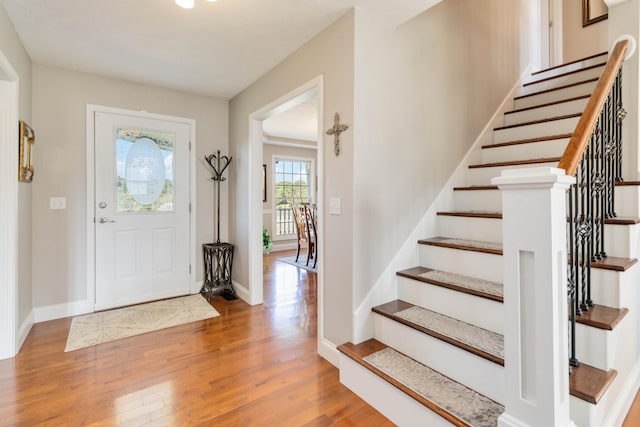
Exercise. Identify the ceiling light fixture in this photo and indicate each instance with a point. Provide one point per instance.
(188, 4)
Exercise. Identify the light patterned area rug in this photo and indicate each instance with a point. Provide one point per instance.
(105, 326)
(302, 260)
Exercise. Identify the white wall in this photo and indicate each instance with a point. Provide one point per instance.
(12, 48)
(423, 93)
(329, 54)
(59, 108)
(579, 42)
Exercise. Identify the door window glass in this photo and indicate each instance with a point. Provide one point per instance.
(144, 171)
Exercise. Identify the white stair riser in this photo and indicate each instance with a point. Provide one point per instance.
(595, 346)
(483, 312)
(627, 201)
(486, 229)
(567, 68)
(483, 176)
(622, 240)
(478, 200)
(555, 95)
(562, 80)
(613, 288)
(554, 127)
(479, 374)
(468, 263)
(555, 110)
(533, 150)
(393, 403)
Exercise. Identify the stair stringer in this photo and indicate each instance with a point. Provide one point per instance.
(386, 288)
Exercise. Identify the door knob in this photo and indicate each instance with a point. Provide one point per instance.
(104, 220)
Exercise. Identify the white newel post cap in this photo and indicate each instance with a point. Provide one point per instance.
(545, 177)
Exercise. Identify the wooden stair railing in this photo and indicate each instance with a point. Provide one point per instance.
(594, 157)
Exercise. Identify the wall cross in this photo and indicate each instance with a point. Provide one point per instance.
(336, 130)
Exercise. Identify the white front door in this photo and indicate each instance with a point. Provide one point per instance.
(141, 209)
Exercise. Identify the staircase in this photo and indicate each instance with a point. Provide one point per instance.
(437, 353)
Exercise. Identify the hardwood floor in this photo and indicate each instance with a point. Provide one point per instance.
(250, 366)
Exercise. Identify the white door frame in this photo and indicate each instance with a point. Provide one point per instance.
(9, 108)
(255, 190)
(90, 159)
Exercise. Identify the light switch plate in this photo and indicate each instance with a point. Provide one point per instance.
(57, 203)
(334, 206)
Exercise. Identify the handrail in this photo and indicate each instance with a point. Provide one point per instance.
(577, 144)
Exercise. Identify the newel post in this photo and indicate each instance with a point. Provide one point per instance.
(535, 297)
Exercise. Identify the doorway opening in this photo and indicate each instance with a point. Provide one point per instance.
(267, 137)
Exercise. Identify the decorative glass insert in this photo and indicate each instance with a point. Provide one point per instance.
(292, 180)
(144, 171)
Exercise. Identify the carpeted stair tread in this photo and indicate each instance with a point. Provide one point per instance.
(451, 400)
(516, 163)
(457, 282)
(464, 244)
(535, 122)
(589, 383)
(498, 215)
(607, 263)
(476, 340)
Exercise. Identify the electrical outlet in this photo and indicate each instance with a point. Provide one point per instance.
(334, 206)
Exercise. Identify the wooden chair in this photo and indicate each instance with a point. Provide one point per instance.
(299, 218)
(312, 235)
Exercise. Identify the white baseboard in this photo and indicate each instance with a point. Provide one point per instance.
(58, 311)
(242, 291)
(328, 351)
(279, 247)
(24, 330)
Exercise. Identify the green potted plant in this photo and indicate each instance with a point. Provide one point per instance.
(267, 244)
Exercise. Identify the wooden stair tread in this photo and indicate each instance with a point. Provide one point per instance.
(472, 214)
(586, 58)
(607, 263)
(589, 383)
(528, 141)
(498, 215)
(535, 122)
(484, 289)
(476, 188)
(568, 73)
(481, 342)
(516, 163)
(465, 398)
(614, 263)
(602, 317)
(556, 88)
(495, 187)
(547, 104)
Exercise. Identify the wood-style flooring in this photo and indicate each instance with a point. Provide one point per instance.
(251, 366)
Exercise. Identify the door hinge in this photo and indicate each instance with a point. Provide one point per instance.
(189, 207)
(189, 268)
(189, 145)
